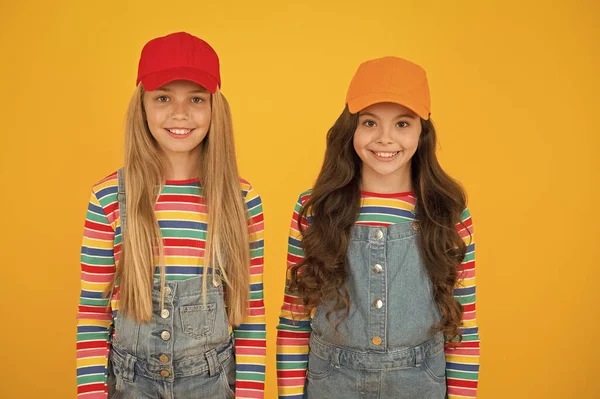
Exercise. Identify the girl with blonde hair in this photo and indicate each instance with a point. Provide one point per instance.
(172, 258)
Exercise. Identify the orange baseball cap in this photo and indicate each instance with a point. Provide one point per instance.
(390, 79)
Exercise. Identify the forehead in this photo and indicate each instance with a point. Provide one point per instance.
(387, 108)
(183, 85)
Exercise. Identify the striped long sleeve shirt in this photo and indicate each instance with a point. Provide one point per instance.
(293, 331)
(182, 217)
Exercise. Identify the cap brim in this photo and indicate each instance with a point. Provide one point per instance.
(156, 80)
(359, 103)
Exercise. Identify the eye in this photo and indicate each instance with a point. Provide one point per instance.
(162, 99)
(197, 100)
(369, 123)
(402, 124)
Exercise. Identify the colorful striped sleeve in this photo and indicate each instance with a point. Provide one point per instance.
(94, 316)
(462, 362)
(250, 337)
(293, 331)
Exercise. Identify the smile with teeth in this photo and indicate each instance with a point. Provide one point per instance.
(180, 131)
(384, 154)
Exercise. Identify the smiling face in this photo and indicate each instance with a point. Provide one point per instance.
(178, 116)
(385, 139)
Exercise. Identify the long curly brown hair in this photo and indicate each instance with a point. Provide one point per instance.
(334, 206)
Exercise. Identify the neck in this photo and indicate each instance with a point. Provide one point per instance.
(397, 182)
(181, 166)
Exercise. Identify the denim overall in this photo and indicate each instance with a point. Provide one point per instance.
(185, 352)
(386, 348)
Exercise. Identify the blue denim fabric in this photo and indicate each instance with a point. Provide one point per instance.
(184, 352)
(386, 347)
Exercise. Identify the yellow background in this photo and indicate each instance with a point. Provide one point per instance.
(514, 87)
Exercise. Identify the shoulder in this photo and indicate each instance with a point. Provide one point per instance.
(107, 187)
(465, 226)
(249, 193)
(303, 197)
(465, 217)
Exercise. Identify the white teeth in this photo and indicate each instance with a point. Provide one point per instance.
(386, 154)
(179, 131)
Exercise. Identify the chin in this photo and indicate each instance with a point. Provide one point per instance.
(180, 150)
(395, 170)
(383, 171)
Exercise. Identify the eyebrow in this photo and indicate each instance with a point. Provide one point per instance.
(397, 117)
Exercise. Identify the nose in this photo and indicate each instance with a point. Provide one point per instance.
(180, 110)
(384, 135)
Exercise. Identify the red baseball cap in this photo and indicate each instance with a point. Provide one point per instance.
(178, 56)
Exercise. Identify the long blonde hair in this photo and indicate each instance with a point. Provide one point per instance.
(227, 243)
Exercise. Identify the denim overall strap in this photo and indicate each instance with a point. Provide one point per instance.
(121, 199)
